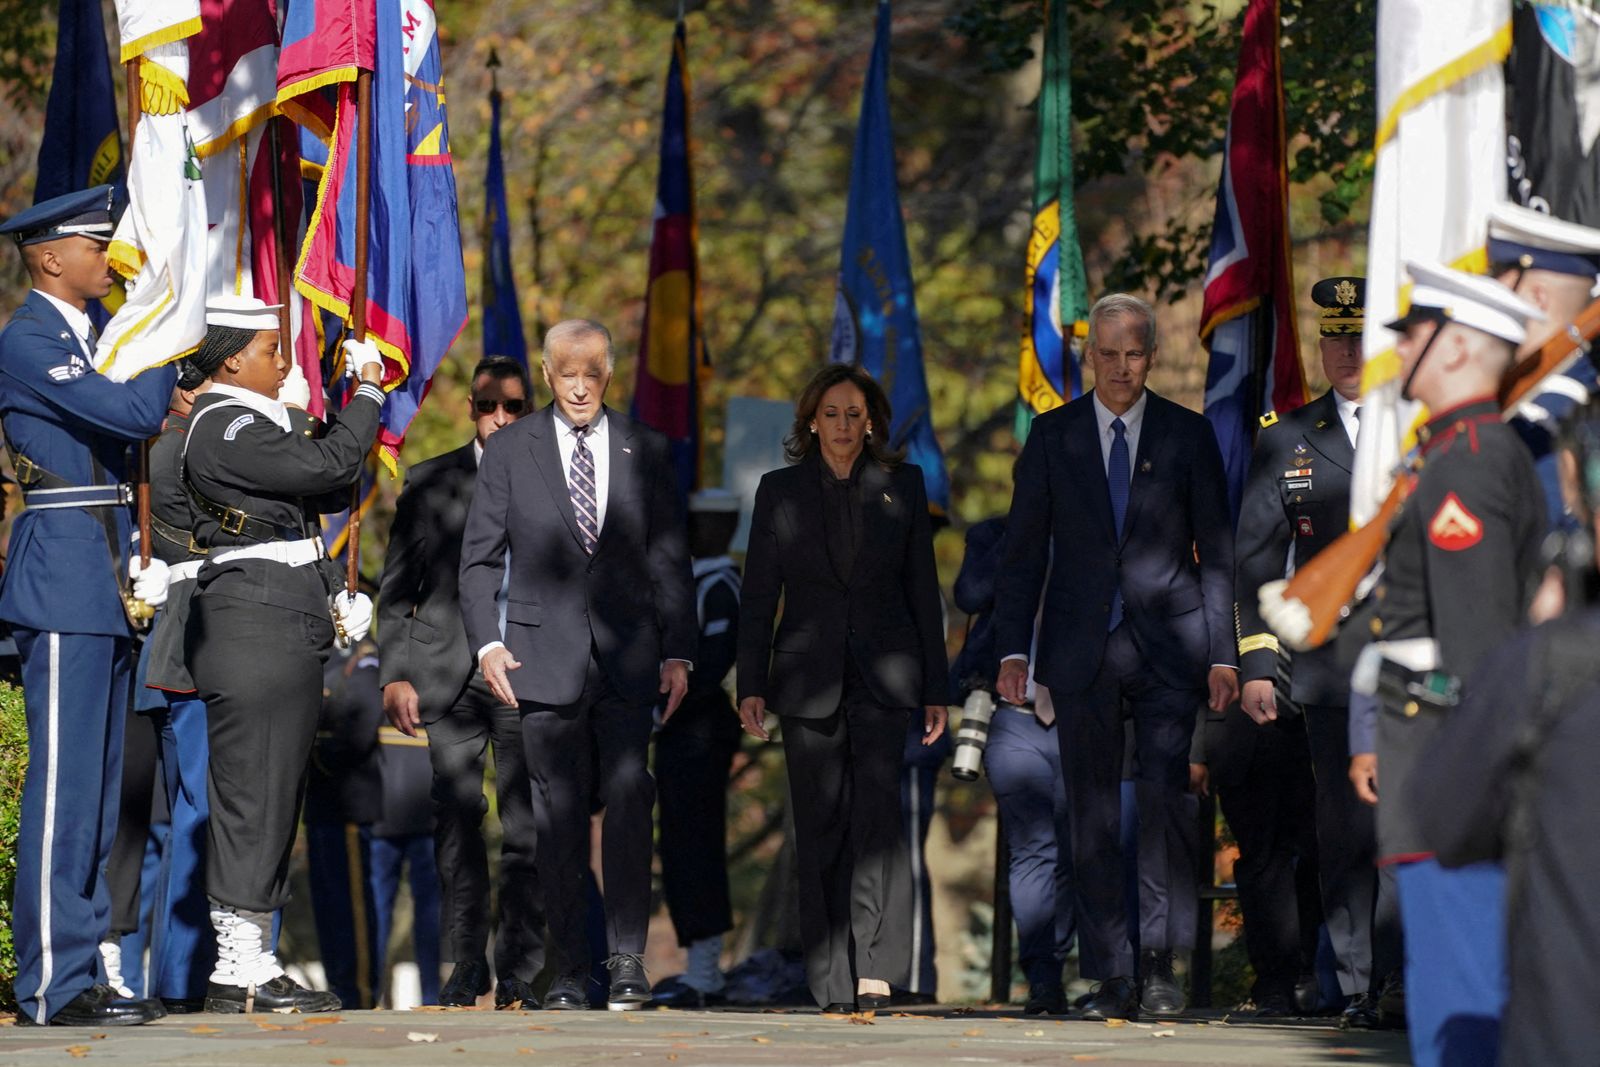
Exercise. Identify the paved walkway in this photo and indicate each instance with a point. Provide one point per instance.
(470, 1037)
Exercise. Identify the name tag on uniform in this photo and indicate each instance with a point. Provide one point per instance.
(1298, 485)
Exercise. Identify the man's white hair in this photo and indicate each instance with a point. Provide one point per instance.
(1118, 305)
(569, 330)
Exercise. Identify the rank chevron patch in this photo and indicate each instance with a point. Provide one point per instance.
(1454, 528)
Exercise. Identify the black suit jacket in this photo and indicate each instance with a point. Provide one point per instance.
(420, 633)
(1297, 499)
(632, 602)
(1181, 610)
(888, 617)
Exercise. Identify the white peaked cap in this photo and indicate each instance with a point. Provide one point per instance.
(241, 312)
(1469, 299)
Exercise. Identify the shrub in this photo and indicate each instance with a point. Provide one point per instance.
(13, 765)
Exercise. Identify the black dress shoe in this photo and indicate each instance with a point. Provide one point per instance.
(1045, 998)
(1159, 993)
(1115, 998)
(1392, 1003)
(873, 1001)
(515, 994)
(674, 992)
(1308, 995)
(630, 988)
(469, 980)
(281, 994)
(1361, 1013)
(1270, 1006)
(100, 1005)
(183, 1005)
(566, 992)
(839, 1008)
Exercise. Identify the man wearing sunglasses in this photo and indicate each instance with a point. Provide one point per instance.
(430, 680)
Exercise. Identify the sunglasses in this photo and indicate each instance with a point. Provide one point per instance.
(514, 406)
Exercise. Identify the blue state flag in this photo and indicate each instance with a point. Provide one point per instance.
(875, 312)
(502, 318)
(82, 146)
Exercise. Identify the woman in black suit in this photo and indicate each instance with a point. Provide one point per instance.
(843, 536)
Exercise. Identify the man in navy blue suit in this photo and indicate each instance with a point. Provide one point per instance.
(1137, 622)
(66, 595)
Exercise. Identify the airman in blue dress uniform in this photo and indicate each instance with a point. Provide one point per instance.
(67, 599)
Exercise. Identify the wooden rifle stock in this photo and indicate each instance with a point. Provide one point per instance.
(1327, 583)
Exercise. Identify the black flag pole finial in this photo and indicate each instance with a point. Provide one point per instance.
(494, 71)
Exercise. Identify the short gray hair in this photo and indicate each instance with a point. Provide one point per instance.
(569, 330)
(1118, 305)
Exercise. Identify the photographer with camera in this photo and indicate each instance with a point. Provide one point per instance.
(1017, 746)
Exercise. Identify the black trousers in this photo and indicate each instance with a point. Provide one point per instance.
(1262, 775)
(855, 886)
(1089, 725)
(1361, 904)
(258, 668)
(141, 749)
(692, 782)
(592, 753)
(457, 744)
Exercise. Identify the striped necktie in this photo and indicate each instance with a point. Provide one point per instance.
(580, 483)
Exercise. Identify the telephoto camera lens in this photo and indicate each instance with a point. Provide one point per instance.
(972, 735)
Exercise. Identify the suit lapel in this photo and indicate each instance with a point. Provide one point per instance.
(875, 499)
(805, 516)
(1145, 462)
(1083, 441)
(547, 457)
(622, 478)
(1326, 433)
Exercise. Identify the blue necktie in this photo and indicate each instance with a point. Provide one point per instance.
(1117, 477)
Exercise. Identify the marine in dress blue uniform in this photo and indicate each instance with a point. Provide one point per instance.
(1459, 571)
(69, 429)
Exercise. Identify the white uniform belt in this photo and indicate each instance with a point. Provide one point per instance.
(184, 571)
(293, 553)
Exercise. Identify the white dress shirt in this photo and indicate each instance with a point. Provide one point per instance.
(1347, 415)
(1132, 421)
(77, 321)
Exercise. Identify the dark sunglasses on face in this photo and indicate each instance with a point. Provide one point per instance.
(513, 406)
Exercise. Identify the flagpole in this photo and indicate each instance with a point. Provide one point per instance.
(280, 225)
(358, 297)
(142, 477)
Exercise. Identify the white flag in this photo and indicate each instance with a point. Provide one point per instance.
(1440, 168)
(160, 242)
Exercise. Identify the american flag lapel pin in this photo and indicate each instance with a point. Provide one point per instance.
(1144, 468)
(628, 450)
(887, 499)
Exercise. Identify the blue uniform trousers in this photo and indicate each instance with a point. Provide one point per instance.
(1454, 922)
(188, 944)
(1023, 762)
(338, 860)
(75, 687)
(389, 856)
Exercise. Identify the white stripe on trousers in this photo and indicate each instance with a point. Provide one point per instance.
(47, 962)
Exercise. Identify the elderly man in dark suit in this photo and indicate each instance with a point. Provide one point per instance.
(577, 516)
(430, 679)
(1137, 615)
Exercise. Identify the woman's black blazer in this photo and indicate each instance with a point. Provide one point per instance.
(888, 616)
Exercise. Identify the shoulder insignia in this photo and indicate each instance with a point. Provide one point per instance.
(74, 368)
(1454, 528)
(1269, 419)
(236, 425)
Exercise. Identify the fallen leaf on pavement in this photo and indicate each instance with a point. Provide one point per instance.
(1033, 1033)
(320, 1020)
(214, 1030)
(972, 1033)
(762, 1040)
(78, 1051)
(317, 1041)
(1115, 1023)
(418, 1035)
(1165, 1033)
(862, 1019)
(98, 1037)
(525, 1051)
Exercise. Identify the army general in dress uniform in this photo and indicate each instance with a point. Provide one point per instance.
(66, 596)
(1295, 503)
